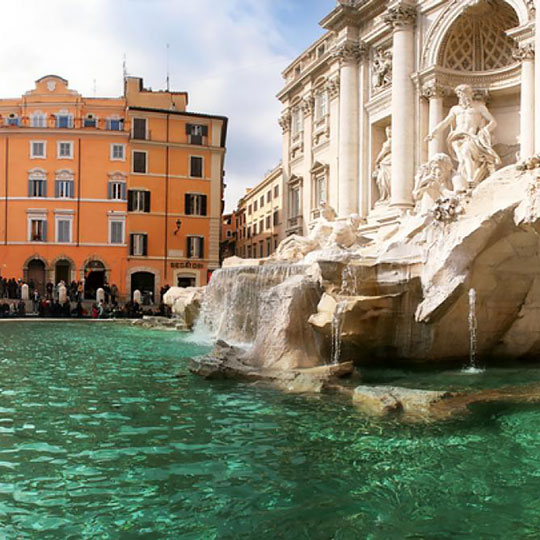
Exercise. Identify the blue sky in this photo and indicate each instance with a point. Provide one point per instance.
(228, 54)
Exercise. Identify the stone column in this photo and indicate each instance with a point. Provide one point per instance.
(348, 54)
(364, 179)
(435, 93)
(402, 18)
(537, 82)
(525, 54)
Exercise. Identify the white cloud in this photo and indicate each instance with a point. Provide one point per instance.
(228, 54)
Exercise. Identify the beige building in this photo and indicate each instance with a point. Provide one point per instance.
(259, 217)
(395, 65)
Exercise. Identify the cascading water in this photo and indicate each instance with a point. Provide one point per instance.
(349, 281)
(232, 301)
(337, 327)
(473, 326)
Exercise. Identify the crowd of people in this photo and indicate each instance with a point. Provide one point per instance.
(54, 303)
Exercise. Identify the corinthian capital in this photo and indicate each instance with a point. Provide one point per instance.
(285, 121)
(524, 52)
(333, 87)
(433, 90)
(350, 51)
(400, 15)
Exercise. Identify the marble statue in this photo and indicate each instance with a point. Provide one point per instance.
(469, 140)
(432, 182)
(383, 167)
(382, 69)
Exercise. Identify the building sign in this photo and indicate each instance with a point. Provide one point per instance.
(188, 264)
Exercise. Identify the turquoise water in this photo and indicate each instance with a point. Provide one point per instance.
(99, 438)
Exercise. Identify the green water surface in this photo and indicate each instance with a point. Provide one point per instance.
(99, 438)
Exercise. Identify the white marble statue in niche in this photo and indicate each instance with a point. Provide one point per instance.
(469, 140)
(383, 168)
(381, 69)
(432, 182)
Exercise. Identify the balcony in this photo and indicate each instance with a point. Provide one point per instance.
(53, 122)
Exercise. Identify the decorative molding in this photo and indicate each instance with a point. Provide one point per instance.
(531, 8)
(524, 52)
(285, 121)
(333, 87)
(400, 16)
(307, 104)
(349, 52)
(433, 89)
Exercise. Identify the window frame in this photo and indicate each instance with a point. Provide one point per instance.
(122, 222)
(145, 152)
(67, 219)
(37, 156)
(112, 148)
(133, 120)
(59, 146)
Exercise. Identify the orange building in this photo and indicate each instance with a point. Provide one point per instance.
(121, 190)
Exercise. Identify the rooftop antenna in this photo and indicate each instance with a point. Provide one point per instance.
(168, 75)
(95, 88)
(124, 67)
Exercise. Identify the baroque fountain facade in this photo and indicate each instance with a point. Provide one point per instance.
(382, 271)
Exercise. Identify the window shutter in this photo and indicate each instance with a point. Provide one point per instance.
(57, 188)
(189, 247)
(145, 244)
(123, 190)
(130, 200)
(203, 205)
(110, 190)
(201, 247)
(44, 194)
(131, 244)
(187, 204)
(44, 230)
(188, 129)
(30, 194)
(71, 189)
(205, 131)
(147, 201)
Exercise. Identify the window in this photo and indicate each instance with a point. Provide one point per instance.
(261, 201)
(276, 242)
(118, 152)
(297, 121)
(116, 190)
(269, 196)
(38, 120)
(276, 218)
(12, 120)
(229, 233)
(249, 209)
(196, 166)
(249, 252)
(63, 230)
(138, 200)
(65, 150)
(319, 190)
(321, 105)
(114, 124)
(139, 162)
(138, 244)
(90, 121)
(261, 226)
(268, 247)
(195, 204)
(261, 249)
(64, 120)
(38, 230)
(249, 232)
(195, 247)
(116, 231)
(37, 149)
(268, 225)
(276, 191)
(37, 187)
(196, 133)
(295, 202)
(139, 128)
(255, 206)
(64, 189)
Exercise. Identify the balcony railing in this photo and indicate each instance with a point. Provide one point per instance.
(51, 122)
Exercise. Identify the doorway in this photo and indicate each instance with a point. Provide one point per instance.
(62, 272)
(95, 279)
(183, 281)
(36, 275)
(145, 283)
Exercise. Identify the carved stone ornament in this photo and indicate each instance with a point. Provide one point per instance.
(531, 8)
(285, 121)
(381, 69)
(433, 90)
(447, 209)
(524, 52)
(333, 87)
(307, 104)
(349, 52)
(400, 16)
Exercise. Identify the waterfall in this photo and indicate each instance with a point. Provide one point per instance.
(232, 300)
(337, 327)
(349, 281)
(473, 326)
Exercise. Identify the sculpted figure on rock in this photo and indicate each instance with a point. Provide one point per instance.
(383, 168)
(469, 140)
(432, 182)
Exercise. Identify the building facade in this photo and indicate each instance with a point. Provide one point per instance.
(259, 217)
(359, 104)
(121, 190)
